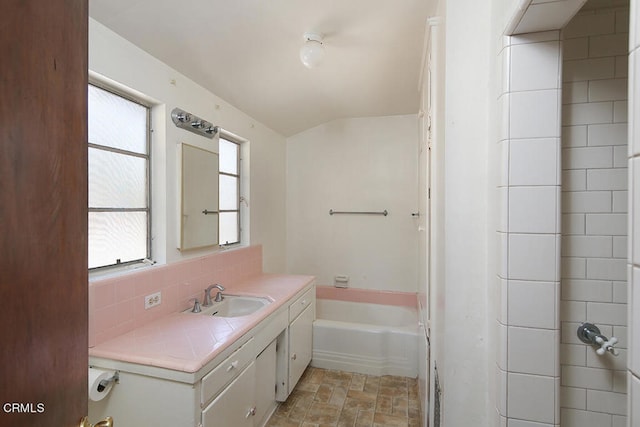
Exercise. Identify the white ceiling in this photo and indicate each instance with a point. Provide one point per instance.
(246, 52)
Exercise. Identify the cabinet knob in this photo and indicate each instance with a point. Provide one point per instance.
(251, 413)
(294, 356)
(232, 366)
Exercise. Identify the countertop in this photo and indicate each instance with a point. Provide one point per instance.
(186, 341)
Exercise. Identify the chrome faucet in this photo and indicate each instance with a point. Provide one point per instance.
(207, 294)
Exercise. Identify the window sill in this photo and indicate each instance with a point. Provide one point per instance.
(119, 270)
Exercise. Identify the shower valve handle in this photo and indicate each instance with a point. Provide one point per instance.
(607, 345)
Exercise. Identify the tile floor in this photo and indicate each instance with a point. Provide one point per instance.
(335, 398)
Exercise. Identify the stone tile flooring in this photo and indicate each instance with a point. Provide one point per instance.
(340, 399)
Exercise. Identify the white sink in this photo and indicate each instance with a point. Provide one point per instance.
(234, 306)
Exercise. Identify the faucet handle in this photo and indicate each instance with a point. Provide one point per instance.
(607, 345)
(219, 296)
(196, 306)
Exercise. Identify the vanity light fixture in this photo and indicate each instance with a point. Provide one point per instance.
(312, 52)
(192, 123)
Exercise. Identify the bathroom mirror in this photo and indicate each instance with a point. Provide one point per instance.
(199, 201)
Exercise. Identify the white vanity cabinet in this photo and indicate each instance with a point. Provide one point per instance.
(239, 388)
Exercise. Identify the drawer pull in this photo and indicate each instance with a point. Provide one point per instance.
(304, 301)
(252, 412)
(294, 357)
(232, 366)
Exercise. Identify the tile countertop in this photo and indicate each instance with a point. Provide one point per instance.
(186, 342)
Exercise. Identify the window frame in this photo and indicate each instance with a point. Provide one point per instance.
(238, 141)
(148, 210)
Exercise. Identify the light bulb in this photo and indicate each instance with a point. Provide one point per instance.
(312, 52)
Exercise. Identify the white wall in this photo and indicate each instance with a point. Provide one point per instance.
(594, 220)
(463, 368)
(360, 164)
(116, 61)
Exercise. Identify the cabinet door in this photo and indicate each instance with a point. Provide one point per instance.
(300, 345)
(265, 383)
(234, 407)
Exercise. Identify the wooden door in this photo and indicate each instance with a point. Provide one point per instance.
(43, 212)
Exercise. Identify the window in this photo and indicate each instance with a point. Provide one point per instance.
(229, 191)
(119, 214)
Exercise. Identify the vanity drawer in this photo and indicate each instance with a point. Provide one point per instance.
(226, 371)
(301, 303)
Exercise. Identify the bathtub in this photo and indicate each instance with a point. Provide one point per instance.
(367, 338)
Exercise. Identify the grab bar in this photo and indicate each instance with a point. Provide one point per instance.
(332, 212)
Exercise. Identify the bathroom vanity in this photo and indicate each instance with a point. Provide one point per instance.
(256, 360)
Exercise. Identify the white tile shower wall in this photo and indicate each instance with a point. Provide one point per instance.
(594, 220)
(528, 325)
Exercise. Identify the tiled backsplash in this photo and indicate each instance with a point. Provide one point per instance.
(116, 305)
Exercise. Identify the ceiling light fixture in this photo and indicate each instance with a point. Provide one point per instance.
(312, 51)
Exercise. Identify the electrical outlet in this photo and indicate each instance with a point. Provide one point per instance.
(152, 300)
